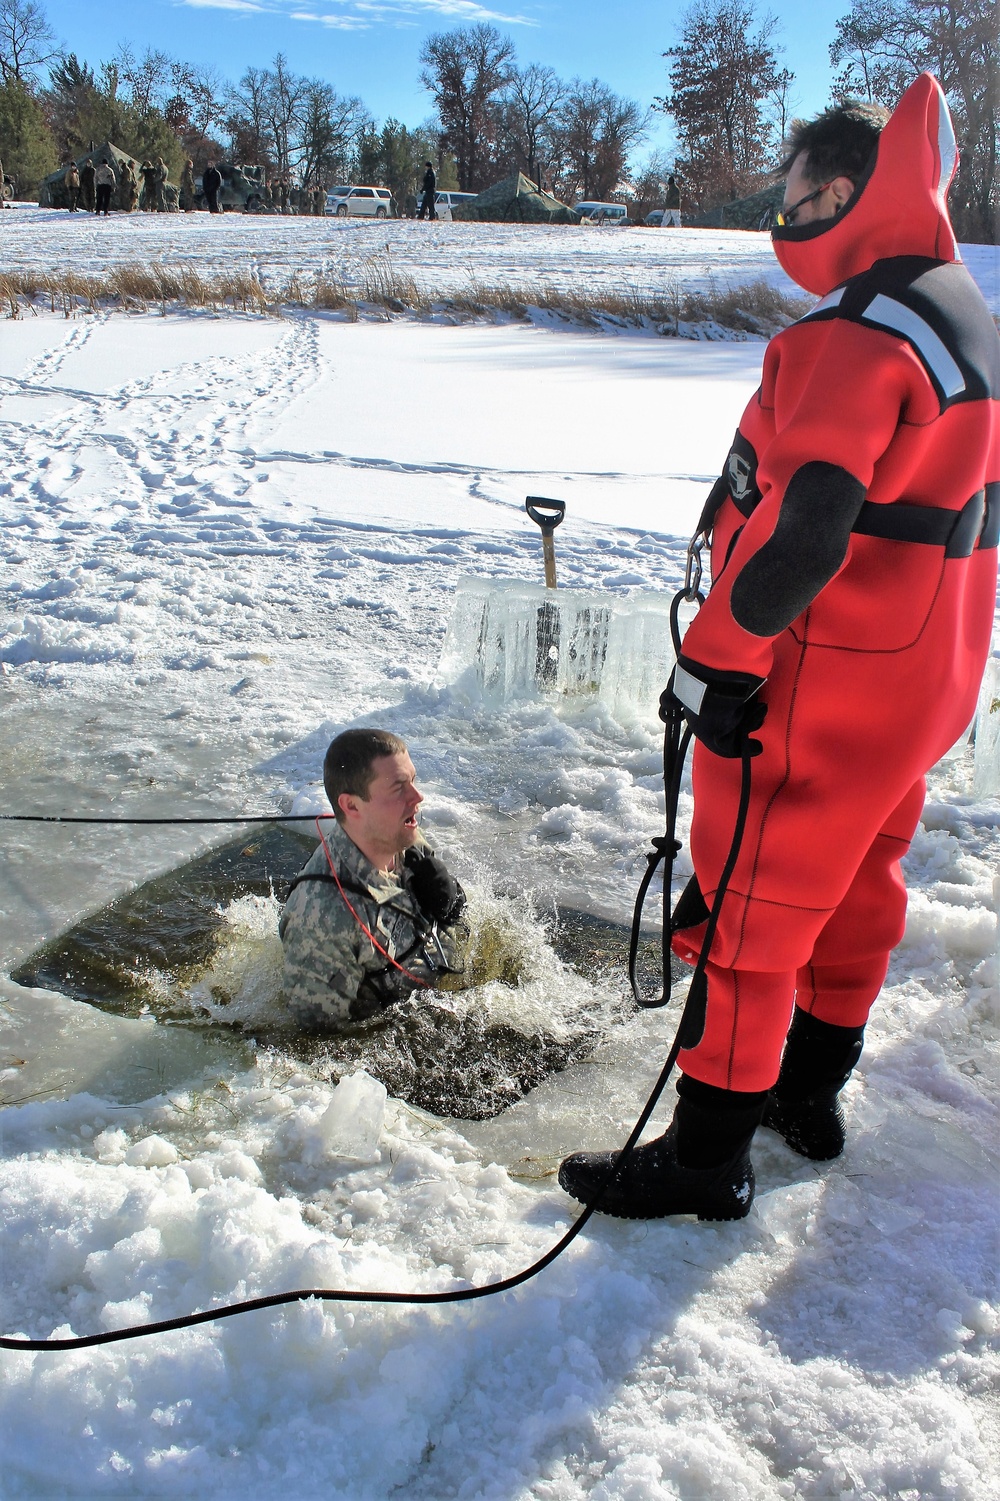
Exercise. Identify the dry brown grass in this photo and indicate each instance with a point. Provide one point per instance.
(754, 308)
(384, 286)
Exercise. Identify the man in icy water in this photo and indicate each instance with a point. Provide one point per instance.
(373, 915)
(854, 562)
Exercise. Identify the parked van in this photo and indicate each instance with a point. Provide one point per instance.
(603, 213)
(445, 202)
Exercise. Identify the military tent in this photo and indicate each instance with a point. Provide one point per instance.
(745, 213)
(52, 191)
(516, 200)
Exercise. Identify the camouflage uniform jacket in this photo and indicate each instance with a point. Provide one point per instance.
(333, 974)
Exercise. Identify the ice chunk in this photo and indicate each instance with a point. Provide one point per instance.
(508, 640)
(352, 1123)
(986, 779)
(151, 1151)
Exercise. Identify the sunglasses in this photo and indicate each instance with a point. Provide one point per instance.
(785, 217)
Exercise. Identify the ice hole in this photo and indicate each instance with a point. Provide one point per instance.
(198, 948)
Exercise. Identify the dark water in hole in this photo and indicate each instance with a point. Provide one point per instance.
(462, 1065)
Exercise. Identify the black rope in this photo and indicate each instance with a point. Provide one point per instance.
(665, 847)
(229, 818)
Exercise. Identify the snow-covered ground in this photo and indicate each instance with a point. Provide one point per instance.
(442, 258)
(225, 538)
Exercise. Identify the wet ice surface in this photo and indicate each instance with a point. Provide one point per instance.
(225, 540)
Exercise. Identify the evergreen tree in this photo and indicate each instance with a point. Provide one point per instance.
(722, 73)
(27, 149)
(394, 158)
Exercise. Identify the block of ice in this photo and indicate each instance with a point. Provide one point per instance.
(352, 1123)
(508, 640)
(986, 778)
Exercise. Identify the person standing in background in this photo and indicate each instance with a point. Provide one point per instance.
(427, 208)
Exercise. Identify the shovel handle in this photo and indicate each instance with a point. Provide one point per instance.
(548, 523)
(547, 514)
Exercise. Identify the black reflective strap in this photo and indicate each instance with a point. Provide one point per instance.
(959, 532)
(977, 524)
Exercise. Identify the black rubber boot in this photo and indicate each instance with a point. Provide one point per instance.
(803, 1107)
(701, 1165)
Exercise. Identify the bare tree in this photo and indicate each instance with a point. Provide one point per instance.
(330, 130)
(206, 92)
(200, 92)
(466, 69)
(649, 183)
(884, 44)
(147, 79)
(27, 41)
(248, 121)
(529, 112)
(283, 101)
(781, 102)
(597, 129)
(862, 49)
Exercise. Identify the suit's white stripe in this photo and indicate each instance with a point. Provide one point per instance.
(947, 148)
(690, 690)
(889, 313)
(832, 299)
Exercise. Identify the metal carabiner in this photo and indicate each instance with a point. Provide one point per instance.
(693, 566)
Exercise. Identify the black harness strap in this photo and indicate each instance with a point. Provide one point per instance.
(960, 532)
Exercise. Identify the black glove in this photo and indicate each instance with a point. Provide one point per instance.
(720, 707)
(434, 888)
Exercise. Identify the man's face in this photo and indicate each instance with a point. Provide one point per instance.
(828, 201)
(385, 822)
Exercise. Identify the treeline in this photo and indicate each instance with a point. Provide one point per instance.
(727, 94)
(491, 116)
(731, 100)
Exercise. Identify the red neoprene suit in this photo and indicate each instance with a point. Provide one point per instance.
(872, 649)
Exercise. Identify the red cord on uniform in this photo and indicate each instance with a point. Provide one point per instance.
(361, 924)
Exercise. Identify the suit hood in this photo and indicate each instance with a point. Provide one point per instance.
(899, 206)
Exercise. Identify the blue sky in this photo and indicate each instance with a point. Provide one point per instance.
(371, 47)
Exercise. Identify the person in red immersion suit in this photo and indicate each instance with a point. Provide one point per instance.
(854, 565)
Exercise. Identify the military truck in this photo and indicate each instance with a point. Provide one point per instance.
(243, 187)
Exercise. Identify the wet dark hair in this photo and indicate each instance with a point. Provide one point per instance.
(838, 143)
(348, 764)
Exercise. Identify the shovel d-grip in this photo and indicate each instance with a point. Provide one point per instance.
(547, 514)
